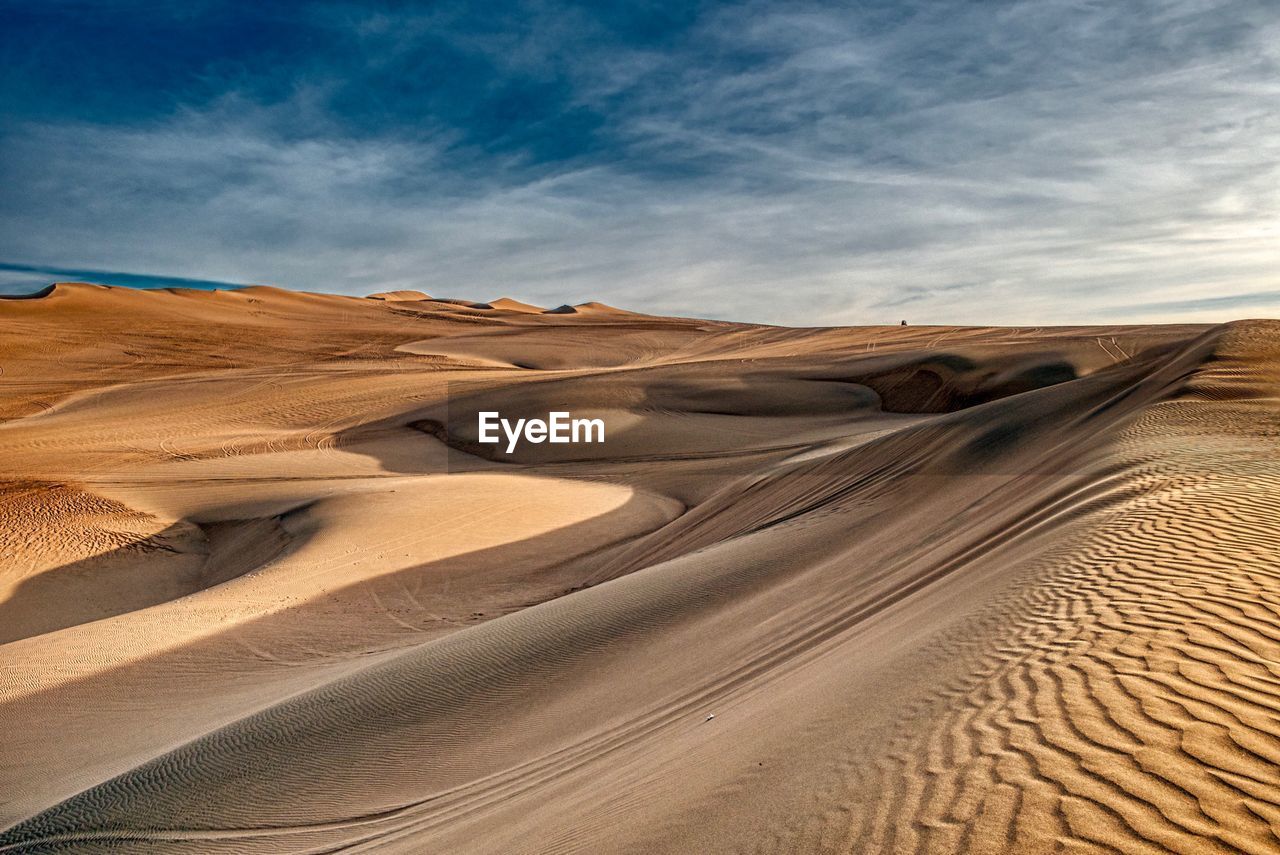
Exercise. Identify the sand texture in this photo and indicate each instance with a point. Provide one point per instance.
(866, 590)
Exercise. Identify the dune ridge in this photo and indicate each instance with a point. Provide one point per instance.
(879, 589)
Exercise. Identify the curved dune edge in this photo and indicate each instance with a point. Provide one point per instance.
(279, 602)
(917, 590)
(40, 294)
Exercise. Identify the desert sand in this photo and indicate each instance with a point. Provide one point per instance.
(868, 590)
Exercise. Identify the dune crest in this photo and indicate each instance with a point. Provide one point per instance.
(507, 304)
(399, 296)
(601, 308)
(881, 589)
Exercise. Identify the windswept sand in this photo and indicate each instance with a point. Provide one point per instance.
(869, 590)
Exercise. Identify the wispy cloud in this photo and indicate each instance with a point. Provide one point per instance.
(1010, 162)
(1230, 302)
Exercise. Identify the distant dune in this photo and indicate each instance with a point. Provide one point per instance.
(508, 305)
(868, 590)
(398, 296)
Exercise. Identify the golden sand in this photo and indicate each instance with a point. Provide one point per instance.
(867, 590)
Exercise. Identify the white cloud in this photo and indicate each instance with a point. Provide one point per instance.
(1033, 162)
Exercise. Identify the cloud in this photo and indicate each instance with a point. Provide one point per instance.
(1232, 302)
(1041, 161)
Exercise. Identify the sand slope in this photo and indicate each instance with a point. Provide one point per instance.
(824, 590)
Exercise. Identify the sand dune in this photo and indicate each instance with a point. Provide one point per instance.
(507, 304)
(400, 296)
(882, 589)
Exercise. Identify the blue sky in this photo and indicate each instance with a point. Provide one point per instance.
(1032, 162)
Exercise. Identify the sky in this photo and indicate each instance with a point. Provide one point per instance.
(1014, 162)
